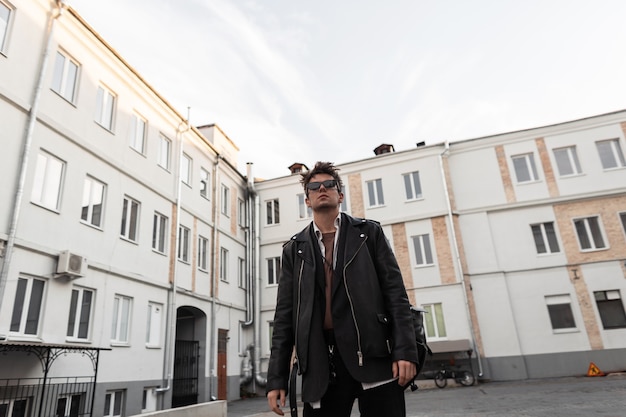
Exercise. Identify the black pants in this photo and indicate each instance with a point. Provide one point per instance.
(385, 400)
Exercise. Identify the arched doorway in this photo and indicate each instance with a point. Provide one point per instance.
(188, 382)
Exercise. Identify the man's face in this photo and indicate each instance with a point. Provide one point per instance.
(323, 198)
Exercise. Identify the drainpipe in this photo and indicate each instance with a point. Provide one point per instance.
(250, 231)
(55, 13)
(214, 279)
(257, 305)
(457, 255)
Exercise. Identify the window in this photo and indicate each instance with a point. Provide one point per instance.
(304, 212)
(165, 148)
(113, 403)
(5, 21)
(525, 168)
(14, 408)
(567, 161)
(159, 231)
(65, 76)
(273, 270)
(27, 307)
(589, 233)
(545, 237)
(80, 313)
(105, 107)
(611, 154)
(242, 213)
(183, 243)
(412, 186)
(153, 326)
(130, 219)
(270, 332)
(423, 253)
(205, 181)
(622, 217)
(224, 264)
(203, 244)
(139, 127)
(560, 311)
(149, 400)
(272, 211)
(225, 200)
(120, 327)
(93, 200)
(242, 273)
(344, 202)
(185, 169)
(46, 190)
(611, 309)
(375, 192)
(434, 322)
(70, 405)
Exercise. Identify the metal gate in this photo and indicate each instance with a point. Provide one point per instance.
(185, 384)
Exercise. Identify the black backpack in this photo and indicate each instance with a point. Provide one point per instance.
(417, 314)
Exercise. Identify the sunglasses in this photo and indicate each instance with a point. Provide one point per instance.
(328, 184)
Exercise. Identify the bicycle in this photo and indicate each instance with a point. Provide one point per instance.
(465, 378)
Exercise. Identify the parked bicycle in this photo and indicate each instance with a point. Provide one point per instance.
(465, 378)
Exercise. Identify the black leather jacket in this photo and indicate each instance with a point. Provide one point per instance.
(370, 309)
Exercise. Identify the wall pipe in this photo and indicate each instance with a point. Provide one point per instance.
(214, 279)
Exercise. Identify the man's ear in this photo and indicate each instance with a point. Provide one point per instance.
(307, 201)
(340, 197)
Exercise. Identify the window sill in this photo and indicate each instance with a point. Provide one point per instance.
(152, 346)
(120, 344)
(91, 225)
(77, 340)
(565, 331)
(423, 266)
(158, 253)
(53, 210)
(125, 239)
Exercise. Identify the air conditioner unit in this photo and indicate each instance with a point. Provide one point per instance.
(71, 264)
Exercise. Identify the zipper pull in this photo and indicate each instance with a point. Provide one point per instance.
(360, 355)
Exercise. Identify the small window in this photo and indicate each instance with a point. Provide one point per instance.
(273, 270)
(375, 192)
(224, 264)
(422, 250)
(47, 181)
(139, 128)
(27, 306)
(185, 169)
(65, 76)
(205, 182)
(611, 309)
(567, 161)
(434, 322)
(545, 238)
(114, 404)
(105, 107)
(225, 200)
(242, 273)
(70, 405)
(149, 400)
(611, 154)
(183, 243)
(120, 326)
(412, 186)
(80, 313)
(165, 148)
(130, 219)
(6, 15)
(560, 311)
(159, 232)
(589, 233)
(304, 212)
(622, 217)
(203, 249)
(272, 210)
(344, 203)
(93, 202)
(153, 326)
(242, 213)
(525, 169)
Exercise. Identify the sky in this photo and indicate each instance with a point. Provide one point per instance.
(301, 81)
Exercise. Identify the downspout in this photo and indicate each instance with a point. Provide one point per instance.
(457, 255)
(214, 279)
(257, 295)
(55, 13)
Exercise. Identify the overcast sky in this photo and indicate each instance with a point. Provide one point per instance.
(300, 81)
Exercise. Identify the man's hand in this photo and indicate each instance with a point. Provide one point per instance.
(276, 399)
(404, 371)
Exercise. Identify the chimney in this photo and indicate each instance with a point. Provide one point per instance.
(420, 144)
(384, 148)
(298, 167)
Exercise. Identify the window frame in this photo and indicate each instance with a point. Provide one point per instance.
(88, 216)
(590, 235)
(273, 270)
(164, 158)
(129, 225)
(225, 203)
(8, 25)
(154, 323)
(434, 322)
(224, 264)
(604, 311)
(529, 165)
(138, 133)
(555, 305)
(111, 403)
(241, 273)
(203, 249)
(24, 308)
(566, 157)
(304, 212)
(426, 254)
(44, 178)
(118, 335)
(159, 226)
(413, 184)
(545, 238)
(205, 183)
(272, 212)
(184, 244)
(63, 84)
(616, 154)
(76, 316)
(186, 164)
(375, 193)
(106, 106)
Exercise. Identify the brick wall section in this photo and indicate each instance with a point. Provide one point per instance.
(623, 125)
(443, 245)
(173, 255)
(505, 174)
(401, 250)
(553, 188)
(448, 180)
(586, 307)
(357, 207)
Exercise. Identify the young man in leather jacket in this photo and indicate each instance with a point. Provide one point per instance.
(342, 313)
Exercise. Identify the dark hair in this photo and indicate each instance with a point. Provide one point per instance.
(321, 168)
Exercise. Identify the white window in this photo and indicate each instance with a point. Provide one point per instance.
(434, 321)
(225, 200)
(423, 252)
(525, 168)
(153, 326)
(165, 148)
(224, 264)
(589, 233)
(412, 185)
(567, 161)
(159, 232)
(611, 309)
(27, 306)
(560, 311)
(149, 400)
(93, 202)
(185, 169)
(375, 192)
(139, 128)
(242, 273)
(611, 154)
(304, 212)
(273, 270)
(344, 202)
(47, 181)
(545, 238)
(120, 326)
(272, 211)
(105, 108)
(70, 405)
(113, 404)
(6, 14)
(183, 243)
(14, 407)
(130, 219)
(205, 183)
(81, 306)
(203, 245)
(65, 76)
(242, 213)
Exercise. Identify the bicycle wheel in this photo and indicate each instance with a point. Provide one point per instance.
(466, 378)
(440, 379)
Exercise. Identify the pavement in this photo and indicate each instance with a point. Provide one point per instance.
(603, 396)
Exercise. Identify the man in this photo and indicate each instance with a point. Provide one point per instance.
(342, 309)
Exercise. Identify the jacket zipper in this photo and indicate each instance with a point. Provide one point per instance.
(298, 310)
(359, 352)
